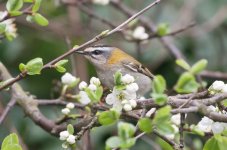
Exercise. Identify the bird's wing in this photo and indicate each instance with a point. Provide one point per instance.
(137, 67)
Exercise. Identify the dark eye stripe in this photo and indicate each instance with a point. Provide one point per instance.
(96, 52)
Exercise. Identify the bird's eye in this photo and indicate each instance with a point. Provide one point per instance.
(96, 52)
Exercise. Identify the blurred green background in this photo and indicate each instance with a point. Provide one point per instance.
(206, 40)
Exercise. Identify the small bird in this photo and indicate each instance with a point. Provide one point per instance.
(108, 60)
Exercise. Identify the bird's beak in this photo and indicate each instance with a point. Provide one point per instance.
(81, 52)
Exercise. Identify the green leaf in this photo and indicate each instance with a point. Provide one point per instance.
(9, 140)
(145, 124)
(162, 115)
(40, 20)
(186, 83)
(99, 93)
(128, 143)
(34, 66)
(61, 62)
(163, 144)
(117, 78)
(159, 99)
(91, 94)
(183, 64)
(15, 13)
(199, 66)
(120, 87)
(126, 130)
(28, 1)
(22, 67)
(165, 128)
(2, 27)
(113, 142)
(36, 6)
(14, 5)
(60, 69)
(162, 29)
(108, 117)
(70, 128)
(13, 147)
(211, 144)
(159, 84)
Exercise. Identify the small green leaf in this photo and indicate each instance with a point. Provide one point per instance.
(70, 128)
(28, 1)
(113, 142)
(145, 124)
(183, 64)
(40, 20)
(159, 84)
(99, 93)
(162, 115)
(128, 143)
(14, 5)
(34, 66)
(117, 78)
(91, 94)
(162, 29)
(159, 99)
(186, 83)
(36, 5)
(165, 128)
(108, 117)
(9, 140)
(199, 66)
(60, 69)
(13, 147)
(22, 67)
(211, 144)
(126, 130)
(15, 13)
(61, 62)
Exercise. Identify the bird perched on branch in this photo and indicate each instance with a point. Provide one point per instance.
(108, 60)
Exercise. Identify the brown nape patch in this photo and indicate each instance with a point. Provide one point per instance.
(117, 56)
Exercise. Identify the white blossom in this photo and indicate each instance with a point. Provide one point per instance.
(64, 145)
(139, 33)
(84, 99)
(127, 107)
(92, 87)
(217, 127)
(68, 79)
(141, 98)
(101, 2)
(218, 85)
(111, 99)
(126, 79)
(224, 88)
(3, 14)
(205, 124)
(64, 135)
(65, 111)
(82, 85)
(133, 103)
(95, 81)
(71, 139)
(132, 88)
(70, 106)
(125, 102)
(176, 119)
(150, 112)
(10, 27)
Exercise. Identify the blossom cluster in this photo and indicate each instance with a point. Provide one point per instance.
(124, 97)
(208, 125)
(68, 79)
(83, 96)
(218, 87)
(139, 33)
(68, 108)
(68, 138)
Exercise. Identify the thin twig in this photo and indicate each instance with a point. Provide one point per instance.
(9, 106)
